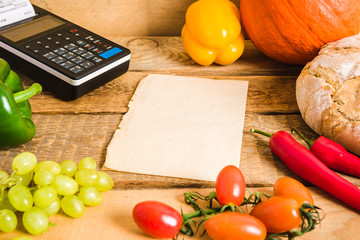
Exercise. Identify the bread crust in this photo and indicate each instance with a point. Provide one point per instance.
(328, 92)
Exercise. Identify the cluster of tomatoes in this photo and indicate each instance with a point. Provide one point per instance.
(290, 212)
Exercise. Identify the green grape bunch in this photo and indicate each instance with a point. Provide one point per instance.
(37, 190)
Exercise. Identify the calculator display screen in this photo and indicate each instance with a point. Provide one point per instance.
(31, 28)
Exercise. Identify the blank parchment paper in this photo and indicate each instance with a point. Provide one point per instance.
(178, 126)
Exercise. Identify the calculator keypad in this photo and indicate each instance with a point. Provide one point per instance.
(74, 49)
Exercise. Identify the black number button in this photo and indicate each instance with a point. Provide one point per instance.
(79, 51)
(49, 55)
(87, 64)
(60, 51)
(88, 55)
(80, 42)
(36, 48)
(67, 64)
(78, 60)
(70, 46)
(90, 38)
(40, 51)
(58, 60)
(69, 55)
(88, 46)
(47, 44)
(96, 59)
(69, 37)
(76, 69)
(97, 50)
(58, 40)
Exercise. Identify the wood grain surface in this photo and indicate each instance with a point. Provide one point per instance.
(84, 127)
(267, 78)
(112, 218)
(123, 17)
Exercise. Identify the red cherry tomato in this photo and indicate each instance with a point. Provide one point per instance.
(230, 186)
(279, 214)
(289, 187)
(157, 219)
(235, 226)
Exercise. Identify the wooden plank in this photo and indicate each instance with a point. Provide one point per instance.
(167, 55)
(61, 137)
(123, 17)
(114, 97)
(113, 219)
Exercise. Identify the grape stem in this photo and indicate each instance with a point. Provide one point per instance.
(2, 192)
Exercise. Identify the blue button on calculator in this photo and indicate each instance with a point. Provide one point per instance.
(110, 52)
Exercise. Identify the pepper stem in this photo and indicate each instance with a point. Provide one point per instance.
(28, 93)
(261, 132)
(308, 141)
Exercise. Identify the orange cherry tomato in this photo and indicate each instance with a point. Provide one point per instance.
(279, 214)
(289, 187)
(230, 186)
(235, 226)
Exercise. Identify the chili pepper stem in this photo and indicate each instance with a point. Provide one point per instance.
(260, 132)
(28, 93)
(308, 141)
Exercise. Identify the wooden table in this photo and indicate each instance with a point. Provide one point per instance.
(84, 127)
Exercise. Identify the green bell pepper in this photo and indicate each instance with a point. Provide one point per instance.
(16, 126)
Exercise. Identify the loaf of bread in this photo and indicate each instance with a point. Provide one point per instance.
(328, 92)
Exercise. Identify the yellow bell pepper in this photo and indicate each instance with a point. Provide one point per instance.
(212, 32)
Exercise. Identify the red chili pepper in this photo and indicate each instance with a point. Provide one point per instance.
(333, 155)
(307, 166)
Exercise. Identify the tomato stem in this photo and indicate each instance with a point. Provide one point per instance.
(199, 213)
(310, 218)
(309, 214)
(188, 218)
(232, 207)
(254, 198)
(212, 196)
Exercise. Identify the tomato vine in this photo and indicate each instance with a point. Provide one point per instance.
(309, 214)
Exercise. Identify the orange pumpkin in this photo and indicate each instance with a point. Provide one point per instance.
(294, 31)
